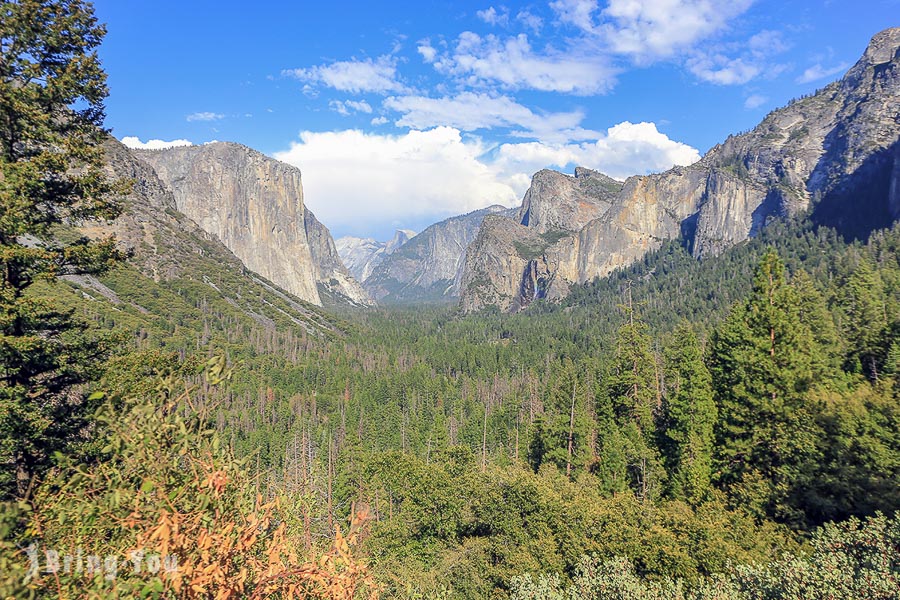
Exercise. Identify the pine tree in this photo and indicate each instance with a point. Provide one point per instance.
(866, 321)
(560, 435)
(690, 416)
(636, 398)
(52, 89)
(762, 363)
(633, 383)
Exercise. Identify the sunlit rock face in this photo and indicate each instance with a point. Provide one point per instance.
(832, 156)
(254, 205)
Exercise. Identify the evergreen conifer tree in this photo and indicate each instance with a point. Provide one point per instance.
(52, 88)
(690, 416)
(762, 363)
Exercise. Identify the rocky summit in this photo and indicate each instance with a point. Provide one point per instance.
(832, 157)
(429, 267)
(254, 205)
(362, 255)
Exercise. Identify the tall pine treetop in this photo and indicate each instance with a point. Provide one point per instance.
(52, 88)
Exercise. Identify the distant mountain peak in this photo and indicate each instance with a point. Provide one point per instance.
(833, 156)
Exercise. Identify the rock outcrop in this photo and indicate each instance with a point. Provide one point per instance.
(518, 258)
(335, 282)
(832, 155)
(254, 205)
(557, 202)
(429, 266)
(362, 255)
(173, 251)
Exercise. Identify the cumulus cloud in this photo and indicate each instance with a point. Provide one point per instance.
(472, 111)
(355, 76)
(755, 101)
(204, 116)
(357, 182)
(650, 29)
(348, 107)
(512, 63)
(530, 20)
(576, 12)
(817, 72)
(135, 142)
(626, 149)
(428, 52)
(492, 16)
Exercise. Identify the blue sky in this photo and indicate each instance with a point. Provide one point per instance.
(403, 113)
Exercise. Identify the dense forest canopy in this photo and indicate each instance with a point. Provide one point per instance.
(681, 429)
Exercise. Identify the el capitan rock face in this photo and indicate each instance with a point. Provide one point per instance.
(172, 250)
(254, 205)
(832, 155)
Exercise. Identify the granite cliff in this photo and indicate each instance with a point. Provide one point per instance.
(254, 205)
(429, 266)
(171, 254)
(831, 157)
(362, 255)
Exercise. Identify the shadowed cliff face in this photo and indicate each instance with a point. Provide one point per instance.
(254, 205)
(832, 155)
(362, 255)
(429, 266)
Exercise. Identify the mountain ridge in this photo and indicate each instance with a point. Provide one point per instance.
(429, 266)
(801, 158)
(362, 255)
(255, 205)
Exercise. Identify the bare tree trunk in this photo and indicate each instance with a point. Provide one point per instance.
(571, 433)
(484, 442)
(518, 418)
(330, 477)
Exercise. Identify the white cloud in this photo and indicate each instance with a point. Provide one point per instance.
(492, 16)
(767, 43)
(204, 116)
(755, 101)
(471, 111)
(353, 75)
(723, 70)
(647, 30)
(347, 107)
(427, 51)
(380, 120)
(626, 149)
(512, 63)
(356, 181)
(817, 72)
(650, 29)
(135, 142)
(576, 12)
(737, 64)
(530, 20)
